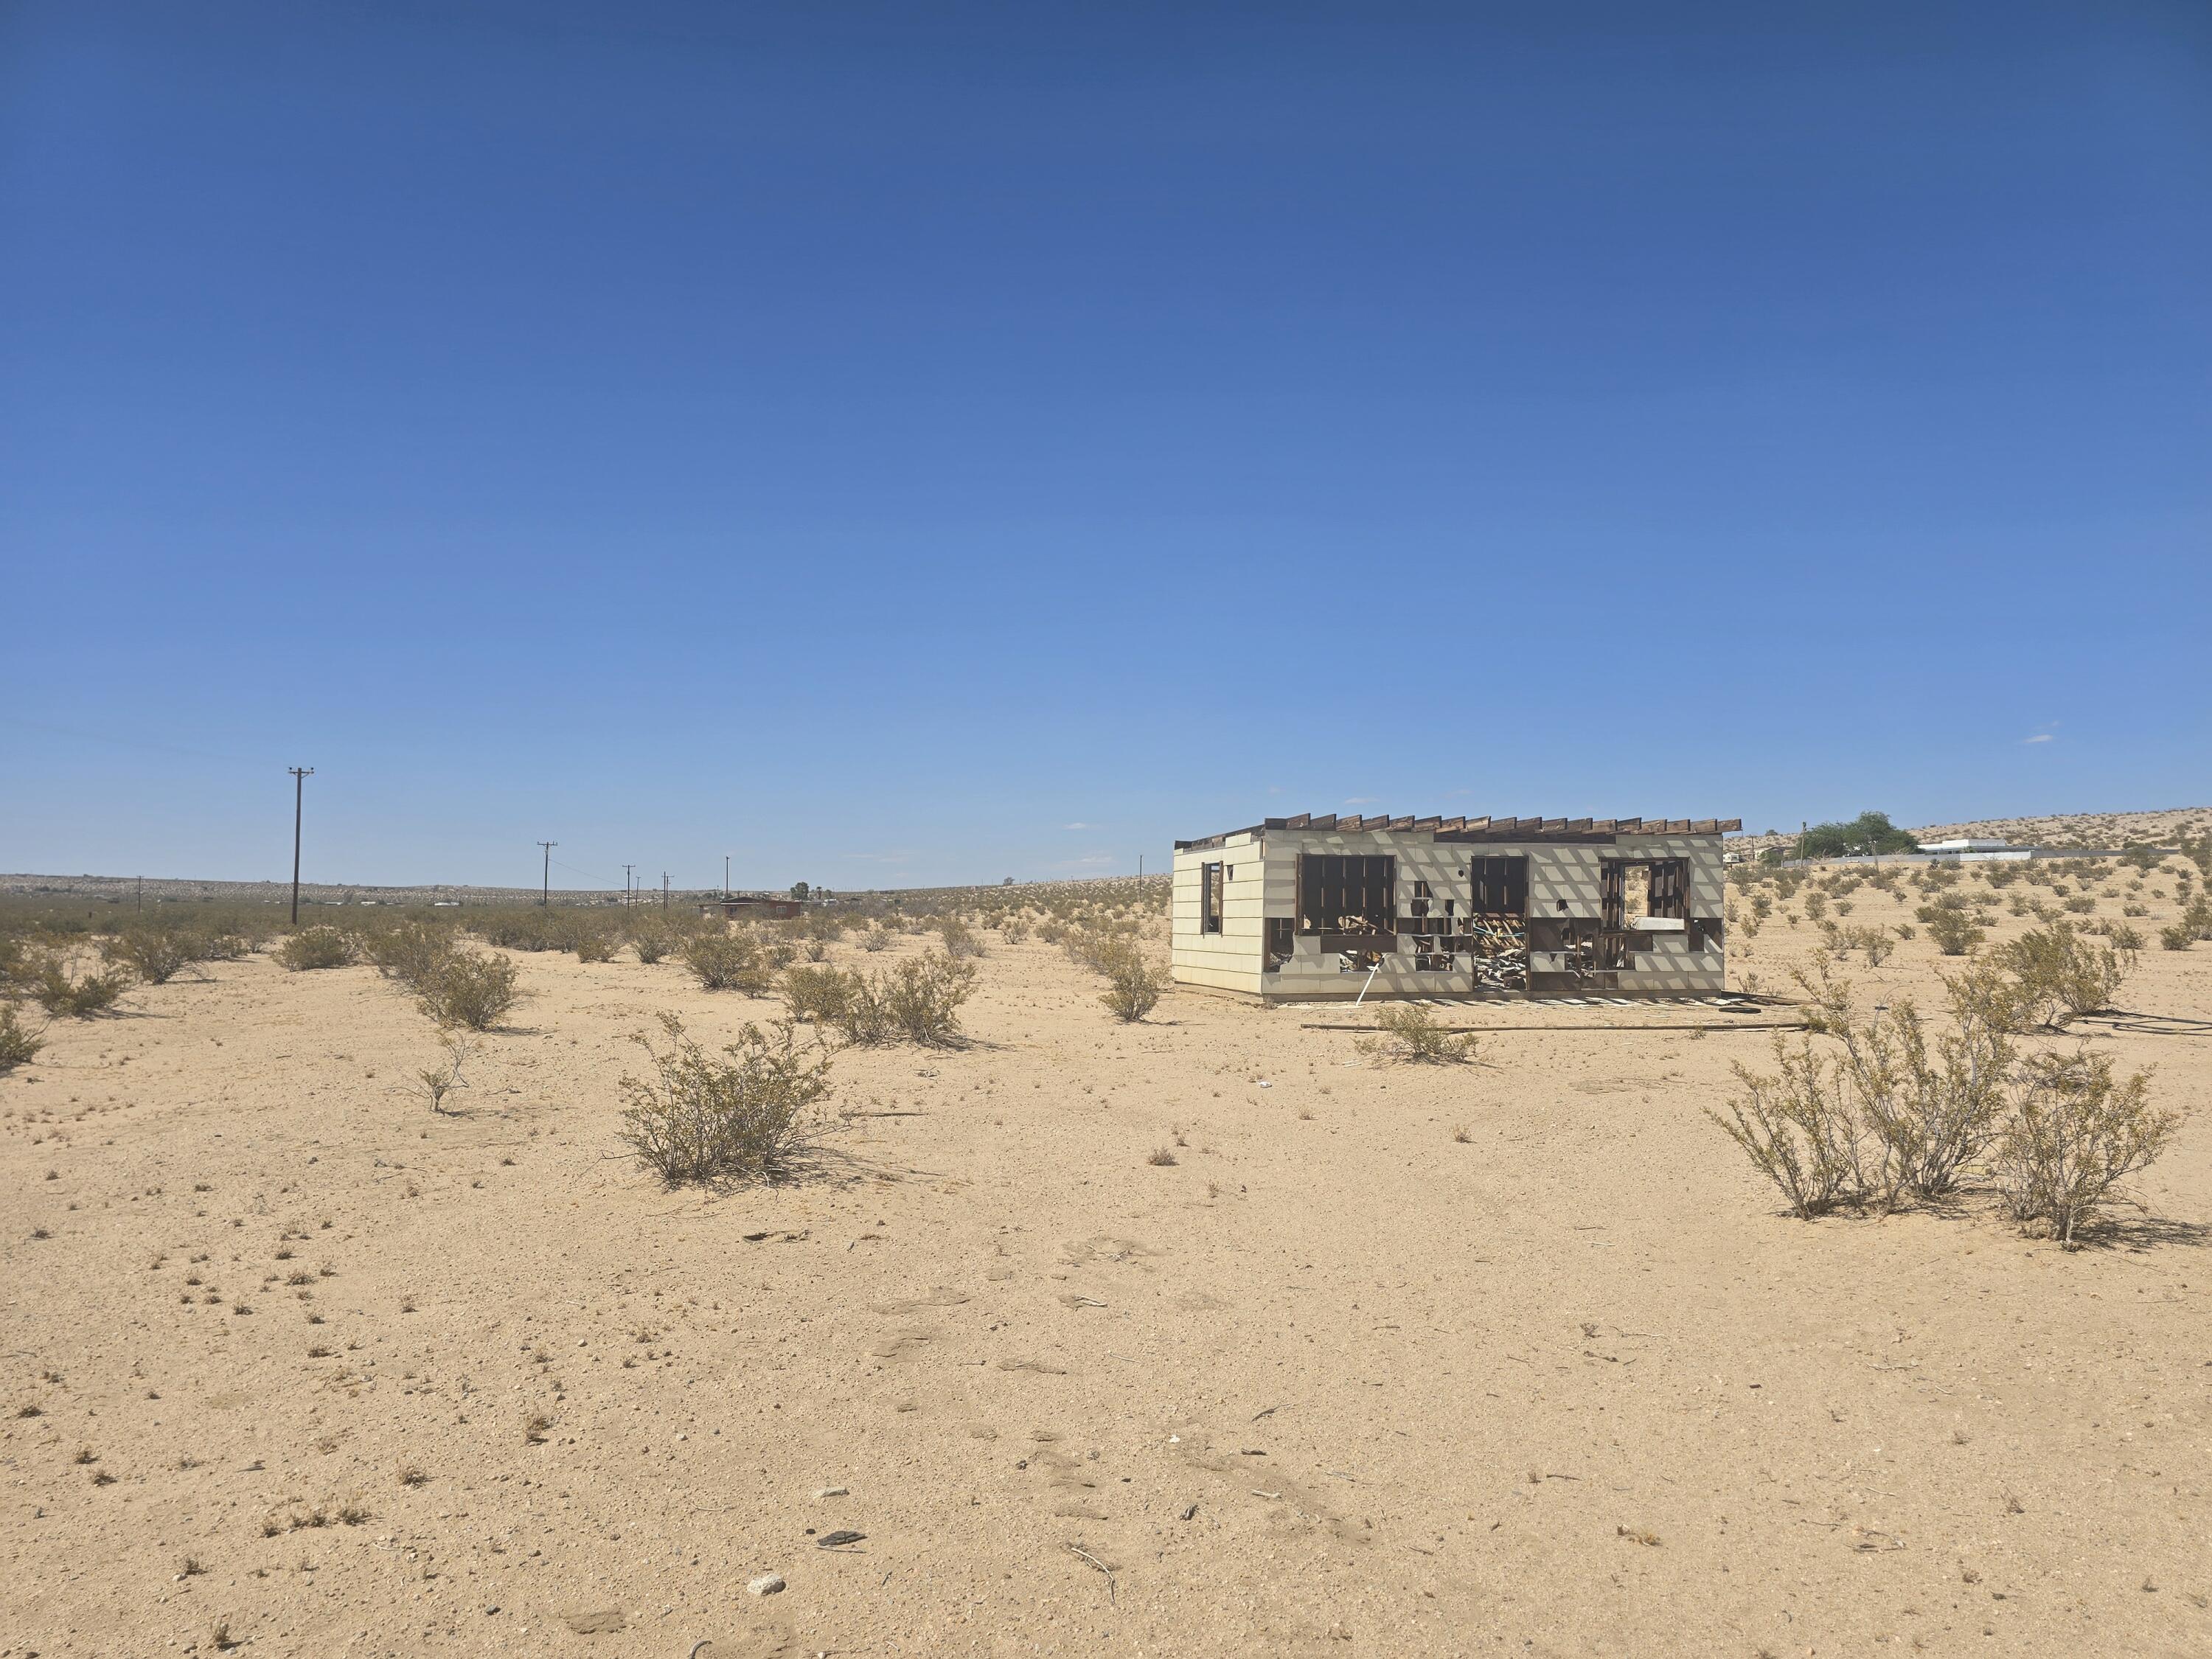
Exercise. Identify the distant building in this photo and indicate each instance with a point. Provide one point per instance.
(753, 907)
(1310, 909)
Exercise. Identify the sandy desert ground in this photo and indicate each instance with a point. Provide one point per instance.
(1333, 1381)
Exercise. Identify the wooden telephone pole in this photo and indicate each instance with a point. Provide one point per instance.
(300, 777)
(545, 897)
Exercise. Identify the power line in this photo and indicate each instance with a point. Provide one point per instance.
(300, 777)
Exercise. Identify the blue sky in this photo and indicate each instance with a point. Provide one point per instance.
(911, 443)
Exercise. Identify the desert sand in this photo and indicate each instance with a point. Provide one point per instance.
(1333, 1381)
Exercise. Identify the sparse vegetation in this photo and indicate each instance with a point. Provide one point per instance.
(2079, 1133)
(19, 1044)
(472, 992)
(730, 961)
(701, 1118)
(319, 946)
(1410, 1032)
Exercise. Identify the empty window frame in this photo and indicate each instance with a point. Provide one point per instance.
(1281, 932)
(1210, 885)
(1499, 886)
(1337, 888)
(1631, 888)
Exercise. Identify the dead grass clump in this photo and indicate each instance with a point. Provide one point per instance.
(2078, 1134)
(701, 1118)
(728, 962)
(1410, 1033)
(319, 946)
(1161, 1157)
(472, 991)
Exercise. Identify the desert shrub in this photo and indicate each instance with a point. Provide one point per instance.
(701, 1118)
(652, 936)
(1953, 928)
(2128, 941)
(410, 952)
(814, 950)
(2078, 1134)
(533, 927)
(435, 1082)
(1875, 944)
(1133, 985)
(728, 962)
(593, 943)
(2063, 974)
(864, 1017)
(19, 1044)
(1014, 929)
(959, 939)
(471, 990)
(1895, 1112)
(156, 951)
(877, 937)
(2176, 938)
(820, 995)
(61, 992)
(1410, 1032)
(922, 998)
(2197, 917)
(1799, 1128)
(319, 946)
(780, 954)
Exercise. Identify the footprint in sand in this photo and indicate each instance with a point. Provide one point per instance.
(1105, 1247)
(937, 1298)
(1043, 1368)
(900, 1344)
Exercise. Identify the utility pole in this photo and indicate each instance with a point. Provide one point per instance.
(726, 875)
(545, 898)
(300, 777)
(627, 868)
(142, 895)
(664, 890)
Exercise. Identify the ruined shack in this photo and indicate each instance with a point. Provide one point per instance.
(1315, 909)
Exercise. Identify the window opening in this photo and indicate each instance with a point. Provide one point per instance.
(1209, 898)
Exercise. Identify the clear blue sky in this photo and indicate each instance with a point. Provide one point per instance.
(917, 442)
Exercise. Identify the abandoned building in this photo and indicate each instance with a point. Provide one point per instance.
(1311, 908)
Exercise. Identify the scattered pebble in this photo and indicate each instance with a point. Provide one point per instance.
(769, 1583)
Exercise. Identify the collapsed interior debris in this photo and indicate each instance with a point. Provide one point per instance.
(1315, 908)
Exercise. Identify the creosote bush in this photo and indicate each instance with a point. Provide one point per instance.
(76, 996)
(1410, 1033)
(2063, 974)
(728, 962)
(410, 952)
(819, 995)
(319, 946)
(19, 1044)
(2077, 1134)
(701, 1118)
(474, 992)
(1899, 1113)
(1133, 984)
(652, 936)
(923, 996)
